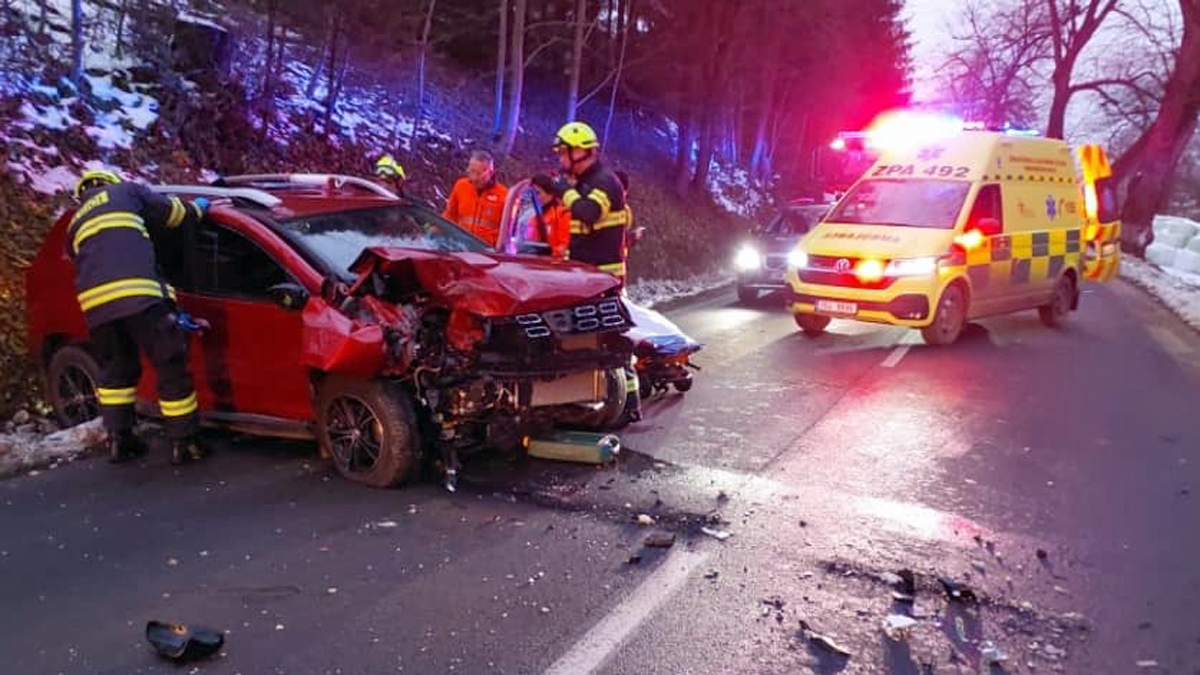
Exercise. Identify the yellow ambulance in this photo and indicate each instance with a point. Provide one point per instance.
(966, 225)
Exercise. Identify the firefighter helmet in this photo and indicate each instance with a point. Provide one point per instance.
(388, 167)
(576, 135)
(93, 178)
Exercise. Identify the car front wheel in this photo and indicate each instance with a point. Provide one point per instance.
(813, 325)
(369, 429)
(949, 319)
(72, 378)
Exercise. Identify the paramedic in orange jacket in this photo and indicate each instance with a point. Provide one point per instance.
(554, 228)
(476, 203)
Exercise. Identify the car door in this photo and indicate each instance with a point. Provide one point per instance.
(248, 363)
(989, 262)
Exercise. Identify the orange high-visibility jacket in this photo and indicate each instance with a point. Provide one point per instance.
(477, 211)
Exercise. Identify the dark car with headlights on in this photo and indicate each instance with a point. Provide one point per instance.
(761, 259)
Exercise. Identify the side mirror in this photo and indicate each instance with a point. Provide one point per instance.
(289, 295)
(989, 227)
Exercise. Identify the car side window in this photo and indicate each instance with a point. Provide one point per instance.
(171, 248)
(987, 205)
(229, 264)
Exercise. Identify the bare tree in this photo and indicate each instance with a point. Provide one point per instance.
(421, 58)
(1150, 163)
(612, 101)
(334, 76)
(513, 118)
(501, 65)
(1072, 24)
(580, 21)
(77, 42)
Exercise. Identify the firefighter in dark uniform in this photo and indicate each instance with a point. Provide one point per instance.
(600, 216)
(129, 308)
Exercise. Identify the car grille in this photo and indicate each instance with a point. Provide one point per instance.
(776, 262)
(592, 317)
(825, 270)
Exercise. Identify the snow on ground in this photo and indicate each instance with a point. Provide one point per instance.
(651, 292)
(1177, 290)
(30, 447)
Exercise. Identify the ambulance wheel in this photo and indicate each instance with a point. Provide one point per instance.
(72, 378)
(369, 429)
(685, 385)
(813, 325)
(949, 319)
(1053, 313)
(747, 295)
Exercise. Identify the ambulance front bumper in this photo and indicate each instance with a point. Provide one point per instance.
(904, 301)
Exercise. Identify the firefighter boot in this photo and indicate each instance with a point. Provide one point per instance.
(183, 449)
(124, 446)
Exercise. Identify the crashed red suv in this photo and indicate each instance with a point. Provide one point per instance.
(342, 313)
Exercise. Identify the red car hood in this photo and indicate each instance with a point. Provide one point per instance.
(486, 284)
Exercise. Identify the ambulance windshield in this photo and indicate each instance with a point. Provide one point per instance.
(908, 203)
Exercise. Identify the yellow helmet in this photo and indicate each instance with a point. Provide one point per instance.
(388, 167)
(576, 135)
(93, 178)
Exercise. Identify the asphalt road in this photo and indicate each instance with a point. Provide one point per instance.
(831, 462)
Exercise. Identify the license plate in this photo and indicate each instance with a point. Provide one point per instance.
(837, 308)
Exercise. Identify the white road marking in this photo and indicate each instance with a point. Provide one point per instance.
(897, 354)
(603, 640)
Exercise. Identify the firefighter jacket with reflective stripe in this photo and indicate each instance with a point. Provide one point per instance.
(599, 218)
(477, 211)
(108, 239)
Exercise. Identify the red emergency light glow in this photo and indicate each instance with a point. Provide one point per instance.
(900, 129)
(970, 240)
(869, 271)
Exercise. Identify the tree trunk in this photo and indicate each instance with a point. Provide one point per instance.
(766, 105)
(122, 10)
(1149, 165)
(612, 101)
(333, 80)
(714, 86)
(501, 64)
(424, 54)
(1056, 124)
(268, 73)
(77, 42)
(318, 66)
(513, 118)
(576, 59)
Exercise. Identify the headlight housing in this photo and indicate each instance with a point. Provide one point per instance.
(748, 259)
(797, 259)
(912, 267)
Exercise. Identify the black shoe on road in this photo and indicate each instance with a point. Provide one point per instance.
(185, 449)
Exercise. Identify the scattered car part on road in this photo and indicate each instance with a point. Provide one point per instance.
(182, 643)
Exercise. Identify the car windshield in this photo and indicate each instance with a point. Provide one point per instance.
(339, 238)
(911, 203)
(795, 220)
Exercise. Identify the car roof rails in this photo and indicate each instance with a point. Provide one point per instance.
(257, 197)
(317, 180)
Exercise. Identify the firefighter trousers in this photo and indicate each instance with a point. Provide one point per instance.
(155, 333)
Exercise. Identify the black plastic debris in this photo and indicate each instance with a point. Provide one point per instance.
(712, 576)
(957, 591)
(908, 582)
(1041, 554)
(660, 540)
(182, 643)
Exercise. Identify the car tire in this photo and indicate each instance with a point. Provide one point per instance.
(813, 325)
(747, 295)
(369, 429)
(949, 318)
(71, 380)
(608, 415)
(1054, 312)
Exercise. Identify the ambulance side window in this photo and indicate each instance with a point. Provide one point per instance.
(987, 206)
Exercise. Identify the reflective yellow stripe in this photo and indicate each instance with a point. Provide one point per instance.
(179, 408)
(126, 396)
(570, 197)
(600, 197)
(177, 212)
(617, 269)
(199, 213)
(104, 222)
(613, 219)
(115, 290)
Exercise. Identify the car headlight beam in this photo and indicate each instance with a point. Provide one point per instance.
(748, 259)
